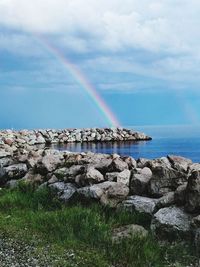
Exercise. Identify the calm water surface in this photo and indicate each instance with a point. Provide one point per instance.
(178, 140)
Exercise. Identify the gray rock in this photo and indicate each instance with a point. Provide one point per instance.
(164, 179)
(192, 192)
(68, 193)
(117, 165)
(140, 180)
(111, 176)
(58, 187)
(53, 179)
(15, 171)
(4, 153)
(179, 195)
(171, 223)
(131, 162)
(34, 178)
(12, 184)
(4, 162)
(166, 201)
(140, 204)
(142, 162)
(108, 193)
(179, 163)
(124, 177)
(50, 161)
(128, 231)
(93, 176)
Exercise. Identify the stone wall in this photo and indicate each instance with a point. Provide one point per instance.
(34, 137)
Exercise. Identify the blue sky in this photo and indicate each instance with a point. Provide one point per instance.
(143, 58)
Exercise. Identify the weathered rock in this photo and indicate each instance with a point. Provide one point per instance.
(140, 204)
(179, 163)
(124, 177)
(93, 176)
(166, 201)
(15, 171)
(111, 176)
(192, 192)
(179, 195)
(64, 191)
(117, 165)
(142, 162)
(51, 160)
(131, 162)
(34, 178)
(68, 174)
(4, 162)
(58, 187)
(68, 193)
(12, 184)
(4, 153)
(171, 223)
(164, 179)
(128, 231)
(53, 180)
(108, 193)
(139, 181)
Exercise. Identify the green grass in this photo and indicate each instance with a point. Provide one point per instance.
(37, 216)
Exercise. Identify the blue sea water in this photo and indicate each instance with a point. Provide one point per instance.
(177, 140)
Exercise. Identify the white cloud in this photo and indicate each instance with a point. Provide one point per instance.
(155, 25)
(168, 29)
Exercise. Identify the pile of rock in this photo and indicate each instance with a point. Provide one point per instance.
(34, 137)
(165, 189)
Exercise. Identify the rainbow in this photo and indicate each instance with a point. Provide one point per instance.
(80, 77)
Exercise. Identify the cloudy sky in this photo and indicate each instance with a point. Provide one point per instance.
(142, 56)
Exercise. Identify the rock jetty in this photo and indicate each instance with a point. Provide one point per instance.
(166, 189)
(35, 137)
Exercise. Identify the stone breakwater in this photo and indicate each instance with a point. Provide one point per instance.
(35, 137)
(167, 189)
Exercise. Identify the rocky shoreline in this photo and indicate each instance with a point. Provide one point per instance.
(166, 189)
(52, 136)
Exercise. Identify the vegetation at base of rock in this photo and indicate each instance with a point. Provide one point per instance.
(80, 235)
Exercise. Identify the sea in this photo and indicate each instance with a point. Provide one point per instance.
(181, 140)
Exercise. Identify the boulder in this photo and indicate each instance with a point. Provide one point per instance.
(12, 184)
(4, 162)
(164, 178)
(64, 191)
(128, 231)
(124, 177)
(179, 194)
(171, 223)
(108, 193)
(165, 201)
(192, 192)
(117, 165)
(111, 176)
(15, 171)
(68, 174)
(57, 187)
(51, 160)
(131, 162)
(139, 181)
(142, 162)
(93, 176)
(4, 153)
(140, 204)
(34, 178)
(179, 163)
